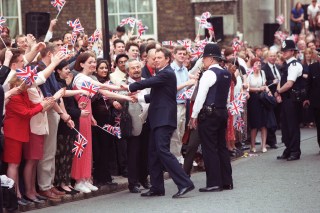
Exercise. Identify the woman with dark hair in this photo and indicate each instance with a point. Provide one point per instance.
(66, 136)
(81, 166)
(296, 19)
(102, 142)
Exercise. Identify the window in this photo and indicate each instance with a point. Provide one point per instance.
(11, 10)
(144, 10)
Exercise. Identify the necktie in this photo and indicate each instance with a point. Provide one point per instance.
(275, 72)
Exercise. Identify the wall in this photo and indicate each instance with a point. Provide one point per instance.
(82, 9)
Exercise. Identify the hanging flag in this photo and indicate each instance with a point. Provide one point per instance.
(168, 43)
(186, 94)
(91, 88)
(235, 107)
(239, 123)
(280, 19)
(76, 26)
(185, 43)
(79, 145)
(241, 96)
(95, 36)
(28, 74)
(58, 4)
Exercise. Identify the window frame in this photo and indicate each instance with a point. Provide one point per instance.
(19, 16)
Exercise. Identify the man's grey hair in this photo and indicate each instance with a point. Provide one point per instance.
(129, 61)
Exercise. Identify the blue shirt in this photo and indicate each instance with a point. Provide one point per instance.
(182, 76)
(51, 86)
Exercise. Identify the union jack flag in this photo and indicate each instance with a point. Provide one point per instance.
(76, 26)
(168, 43)
(280, 35)
(185, 43)
(28, 74)
(58, 4)
(239, 124)
(195, 53)
(235, 107)
(280, 19)
(2, 20)
(141, 28)
(91, 88)
(64, 49)
(112, 130)
(95, 36)
(236, 45)
(186, 94)
(74, 37)
(131, 21)
(79, 146)
(241, 96)
(203, 20)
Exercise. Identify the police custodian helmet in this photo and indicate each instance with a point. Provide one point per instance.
(212, 50)
(288, 45)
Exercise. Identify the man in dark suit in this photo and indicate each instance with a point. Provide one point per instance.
(273, 78)
(313, 94)
(162, 116)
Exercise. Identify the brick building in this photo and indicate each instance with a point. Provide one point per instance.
(166, 19)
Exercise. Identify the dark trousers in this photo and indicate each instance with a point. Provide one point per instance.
(191, 150)
(271, 136)
(102, 146)
(316, 112)
(137, 148)
(212, 132)
(290, 127)
(160, 156)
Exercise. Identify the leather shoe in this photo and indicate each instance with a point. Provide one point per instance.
(282, 157)
(50, 195)
(57, 192)
(291, 158)
(183, 191)
(211, 189)
(227, 187)
(152, 194)
(134, 189)
(274, 146)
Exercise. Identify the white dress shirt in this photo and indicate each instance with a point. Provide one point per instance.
(207, 80)
(294, 71)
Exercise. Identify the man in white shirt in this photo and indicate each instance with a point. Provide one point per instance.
(211, 113)
(290, 82)
(312, 10)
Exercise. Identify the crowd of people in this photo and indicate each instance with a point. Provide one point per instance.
(82, 120)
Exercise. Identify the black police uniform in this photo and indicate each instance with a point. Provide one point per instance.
(290, 116)
(212, 131)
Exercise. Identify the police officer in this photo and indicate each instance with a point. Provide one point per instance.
(211, 113)
(289, 93)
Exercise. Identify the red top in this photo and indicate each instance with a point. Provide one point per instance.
(150, 70)
(19, 111)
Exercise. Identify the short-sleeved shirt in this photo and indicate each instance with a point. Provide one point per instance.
(313, 10)
(297, 13)
(294, 70)
(182, 76)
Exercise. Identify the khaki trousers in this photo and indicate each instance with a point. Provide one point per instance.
(176, 139)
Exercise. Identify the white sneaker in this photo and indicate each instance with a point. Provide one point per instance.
(6, 182)
(90, 186)
(81, 187)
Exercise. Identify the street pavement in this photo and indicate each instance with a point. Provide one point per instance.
(261, 184)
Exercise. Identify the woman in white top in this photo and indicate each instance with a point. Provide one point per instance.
(257, 118)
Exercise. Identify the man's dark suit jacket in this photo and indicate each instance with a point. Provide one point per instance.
(313, 85)
(162, 98)
(145, 72)
(269, 77)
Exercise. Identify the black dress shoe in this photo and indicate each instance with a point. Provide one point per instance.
(282, 157)
(291, 158)
(274, 146)
(146, 184)
(36, 200)
(211, 189)
(134, 189)
(183, 191)
(152, 194)
(227, 187)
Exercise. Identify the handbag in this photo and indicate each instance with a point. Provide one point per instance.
(268, 101)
